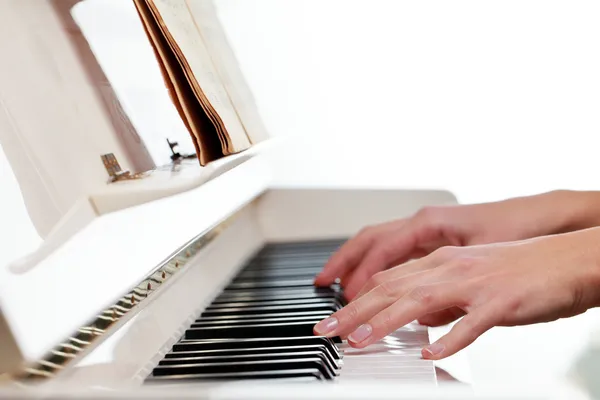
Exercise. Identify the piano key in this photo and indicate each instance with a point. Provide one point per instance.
(229, 344)
(239, 322)
(293, 308)
(234, 317)
(289, 329)
(278, 272)
(325, 305)
(275, 302)
(289, 248)
(253, 350)
(274, 293)
(274, 281)
(267, 314)
(312, 373)
(286, 263)
(260, 298)
(332, 367)
(244, 367)
(291, 283)
(280, 247)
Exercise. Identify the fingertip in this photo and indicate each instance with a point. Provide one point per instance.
(434, 351)
(355, 345)
(349, 295)
(322, 280)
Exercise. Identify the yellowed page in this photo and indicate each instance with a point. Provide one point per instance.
(224, 60)
(178, 20)
(204, 135)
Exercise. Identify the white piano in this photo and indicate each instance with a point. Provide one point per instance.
(125, 296)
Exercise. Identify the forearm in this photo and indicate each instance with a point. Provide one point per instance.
(575, 210)
(553, 212)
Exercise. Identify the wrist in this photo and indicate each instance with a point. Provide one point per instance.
(585, 244)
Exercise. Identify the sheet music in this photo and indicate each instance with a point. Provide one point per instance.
(182, 27)
(224, 60)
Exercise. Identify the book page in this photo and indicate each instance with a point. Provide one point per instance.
(180, 24)
(224, 60)
(206, 139)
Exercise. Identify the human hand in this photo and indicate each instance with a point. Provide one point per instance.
(387, 245)
(507, 284)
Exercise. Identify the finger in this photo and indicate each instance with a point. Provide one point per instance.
(381, 257)
(396, 250)
(397, 272)
(419, 301)
(465, 332)
(441, 318)
(351, 253)
(346, 320)
(433, 260)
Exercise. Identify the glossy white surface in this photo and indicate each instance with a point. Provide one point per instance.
(113, 254)
(127, 357)
(516, 116)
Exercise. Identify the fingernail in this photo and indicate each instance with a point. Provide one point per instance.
(326, 326)
(361, 333)
(433, 350)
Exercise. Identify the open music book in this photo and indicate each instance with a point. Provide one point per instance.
(202, 76)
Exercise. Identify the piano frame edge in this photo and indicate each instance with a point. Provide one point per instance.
(279, 214)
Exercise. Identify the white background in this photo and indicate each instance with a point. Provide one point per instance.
(488, 99)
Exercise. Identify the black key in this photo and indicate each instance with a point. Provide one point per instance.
(293, 308)
(283, 356)
(275, 293)
(260, 298)
(280, 283)
(257, 343)
(238, 322)
(312, 373)
(244, 367)
(273, 281)
(290, 329)
(261, 325)
(278, 273)
(288, 302)
(233, 317)
(286, 263)
(248, 351)
(302, 246)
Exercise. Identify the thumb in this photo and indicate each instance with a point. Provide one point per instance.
(465, 332)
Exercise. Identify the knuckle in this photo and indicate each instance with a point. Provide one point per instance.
(366, 231)
(422, 295)
(426, 212)
(513, 305)
(385, 252)
(445, 253)
(351, 312)
(387, 290)
(384, 322)
(377, 279)
(464, 265)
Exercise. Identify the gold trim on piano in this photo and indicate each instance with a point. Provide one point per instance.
(82, 340)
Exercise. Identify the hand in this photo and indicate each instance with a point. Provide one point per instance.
(384, 246)
(517, 283)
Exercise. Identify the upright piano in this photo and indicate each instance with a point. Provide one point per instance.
(195, 282)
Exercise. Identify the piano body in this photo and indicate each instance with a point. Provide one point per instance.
(191, 282)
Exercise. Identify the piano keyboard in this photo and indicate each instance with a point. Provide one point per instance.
(261, 327)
